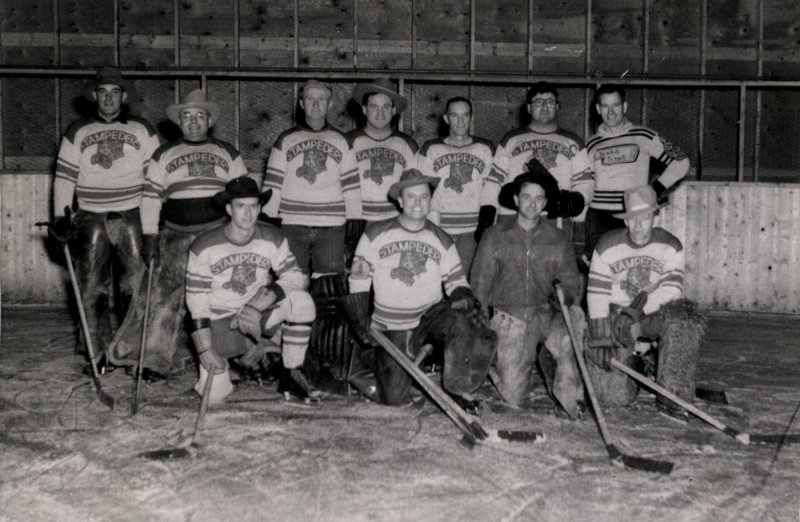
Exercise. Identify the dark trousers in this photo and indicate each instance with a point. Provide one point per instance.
(317, 249)
(101, 235)
(468, 352)
(598, 222)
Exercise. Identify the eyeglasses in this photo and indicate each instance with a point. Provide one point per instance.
(539, 103)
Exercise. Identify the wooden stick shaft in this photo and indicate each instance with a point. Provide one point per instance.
(578, 350)
(143, 343)
(669, 395)
(82, 314)
(460, 417)
(201, 415)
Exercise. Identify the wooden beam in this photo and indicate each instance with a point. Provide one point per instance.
(413, 34)
(471, 35)
(588, 94)
(645, 57)
(355, 34)
(740, 130)
(116, 33)
(701, 110)
(529, 53)
(760, 72)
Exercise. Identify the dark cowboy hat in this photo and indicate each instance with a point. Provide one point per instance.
(535, 173)
(380, 86)
(108, 75)
(638, 201)
(194, 100)
(241, 187)
(409, 178)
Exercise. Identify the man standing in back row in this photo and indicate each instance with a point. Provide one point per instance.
(625, 156)
(561, 152)
(463, 204)
(102, 160)
(180, 185)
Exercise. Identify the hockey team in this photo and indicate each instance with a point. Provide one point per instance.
(450, 248)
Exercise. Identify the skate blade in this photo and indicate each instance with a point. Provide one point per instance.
(293, 397)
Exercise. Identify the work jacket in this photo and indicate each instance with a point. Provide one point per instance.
(514, 269)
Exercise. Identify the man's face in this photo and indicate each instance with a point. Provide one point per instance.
(458, 118)
(315, 102)
(640, 227)
(530, 201)
(244, 212)
(379, 111)
(194, 124)
(416, 201)
(109, 98)
(543, 108)
(612, 109)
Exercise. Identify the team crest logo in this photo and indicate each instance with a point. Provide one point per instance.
(242, 277)
(107, 152)
(460, 174)
(313, 164)
(379, 167)
(412, 264)
(638, 279)
(201, 168)
(547, 157)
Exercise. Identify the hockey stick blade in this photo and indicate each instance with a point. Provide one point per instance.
(774, 438)
(518, 436)
(105, 398)
(640, 463)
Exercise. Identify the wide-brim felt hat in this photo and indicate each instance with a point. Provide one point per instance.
(241, 187)
(638, 201)
(108, 75)
(409, 178)
(380, 86)
(535, 173)
(194, 100)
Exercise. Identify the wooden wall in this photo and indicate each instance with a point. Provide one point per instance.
(742, 244)
(607, 40)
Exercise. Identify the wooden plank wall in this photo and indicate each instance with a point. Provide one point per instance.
(742, 243)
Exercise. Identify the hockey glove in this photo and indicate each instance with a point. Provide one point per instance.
(568, 204)
(63, 229)
(485, 220)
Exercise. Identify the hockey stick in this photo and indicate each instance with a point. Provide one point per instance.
(105, 398)
(187, 448)
(138, 393)
(468, 424)
(617, 457)
(744, 438)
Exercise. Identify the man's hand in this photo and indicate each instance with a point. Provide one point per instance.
(150, 248)
(248, 321)
(211, 361)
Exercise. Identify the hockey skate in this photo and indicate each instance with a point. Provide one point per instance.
(294, 384)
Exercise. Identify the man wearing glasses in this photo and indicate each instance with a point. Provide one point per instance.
(560, 151)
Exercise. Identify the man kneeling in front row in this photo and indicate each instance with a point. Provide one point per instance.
(406, 261)
(237, 309)
(635, 288)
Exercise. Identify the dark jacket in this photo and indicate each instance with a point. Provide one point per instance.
(514, 270)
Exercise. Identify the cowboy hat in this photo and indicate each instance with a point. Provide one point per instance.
(380, 86)
(535, 173)
(194, 100)
(409, 178)
(241, 187)
(638, 201)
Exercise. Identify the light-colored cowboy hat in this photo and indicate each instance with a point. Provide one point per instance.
(638, 201)
(194, 100)
(380, 86)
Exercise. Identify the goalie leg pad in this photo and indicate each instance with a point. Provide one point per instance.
(680, 328)
(516, 354)
(330, 337)
(566, 385)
